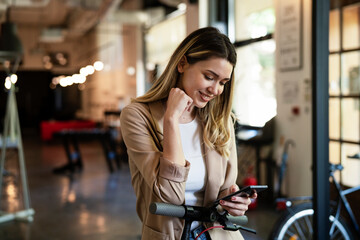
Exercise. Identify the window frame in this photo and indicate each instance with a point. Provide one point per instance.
(341, 96)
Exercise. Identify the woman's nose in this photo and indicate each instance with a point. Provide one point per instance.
(214, 89)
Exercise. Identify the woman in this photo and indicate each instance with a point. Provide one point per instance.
(180, 136)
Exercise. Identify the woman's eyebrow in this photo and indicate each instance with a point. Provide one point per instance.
(217, 75)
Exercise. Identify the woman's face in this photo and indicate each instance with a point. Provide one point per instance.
(204, 80)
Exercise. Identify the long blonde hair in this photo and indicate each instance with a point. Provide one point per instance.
(201, 45)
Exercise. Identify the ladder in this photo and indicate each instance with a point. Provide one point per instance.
(12, 138)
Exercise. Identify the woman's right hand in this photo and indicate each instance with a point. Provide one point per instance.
(178, 102)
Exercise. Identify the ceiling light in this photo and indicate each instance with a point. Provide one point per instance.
(11, 48)
(182, 6)
(13, 78)
(98, 65)
(90, 69)
(130, 71)
(7, 83)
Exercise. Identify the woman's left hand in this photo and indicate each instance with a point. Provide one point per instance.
(238, 205)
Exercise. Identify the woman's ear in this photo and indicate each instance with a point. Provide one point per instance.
(181, 65)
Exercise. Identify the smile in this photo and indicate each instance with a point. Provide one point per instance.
(206, 97)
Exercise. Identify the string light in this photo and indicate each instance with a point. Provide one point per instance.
(98, 65)
(78, 78)
(13, 78)
(7, 83)
(90, 69)
(83, 71)
(130, 71)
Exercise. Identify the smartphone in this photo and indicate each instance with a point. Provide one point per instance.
(245, 192)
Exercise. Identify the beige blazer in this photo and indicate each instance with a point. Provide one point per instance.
(156, 179)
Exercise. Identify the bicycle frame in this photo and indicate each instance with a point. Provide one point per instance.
(342, 199)
(342, 195)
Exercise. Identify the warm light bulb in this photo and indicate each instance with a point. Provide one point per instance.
(83, 71)
(7, 83)
(76, 78)
(82, 79)
(150, 66)
(13, 78)
(90, 69)
(69, 81)
(130, 71)
(98, 65)
(66, 81)
(182, 6)
(56, 80)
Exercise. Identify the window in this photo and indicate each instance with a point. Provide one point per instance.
(254, 99)
(344, 89)
(159, 48)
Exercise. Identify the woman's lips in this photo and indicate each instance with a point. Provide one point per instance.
(206, 97)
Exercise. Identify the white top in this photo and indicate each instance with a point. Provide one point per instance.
(195, 184)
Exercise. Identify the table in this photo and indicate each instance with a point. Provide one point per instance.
(71, 139)
(48, 128)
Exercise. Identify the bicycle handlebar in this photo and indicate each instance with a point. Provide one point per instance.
(167, 209)
(193, 213)
(202, 214)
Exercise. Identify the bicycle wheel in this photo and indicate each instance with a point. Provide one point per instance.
(297, 224)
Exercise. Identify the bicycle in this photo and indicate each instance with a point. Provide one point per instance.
(296, 222)
(203, 214)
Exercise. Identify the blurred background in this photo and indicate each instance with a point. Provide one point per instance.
(74, 64)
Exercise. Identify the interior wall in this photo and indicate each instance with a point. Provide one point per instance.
(192, 17)
(158, 48)
(112, 87)
(294, 110)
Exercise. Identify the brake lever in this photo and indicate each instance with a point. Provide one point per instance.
(228, 225)
(246, 229)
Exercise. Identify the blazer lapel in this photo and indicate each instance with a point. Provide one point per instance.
(215, 175)
(157, 111)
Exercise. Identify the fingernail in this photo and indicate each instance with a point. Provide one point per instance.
(221, 201)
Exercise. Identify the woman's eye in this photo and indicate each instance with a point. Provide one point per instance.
(208, 77)
(222, 83)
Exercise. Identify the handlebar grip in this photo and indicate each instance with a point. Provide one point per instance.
(166, 209)
(238, 220)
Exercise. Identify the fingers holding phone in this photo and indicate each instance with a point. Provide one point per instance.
(237, 202)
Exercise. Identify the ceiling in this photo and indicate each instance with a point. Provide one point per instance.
(48, 26)
(72, 18)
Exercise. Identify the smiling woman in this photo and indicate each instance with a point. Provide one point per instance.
(180, 136)
(204, 80)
